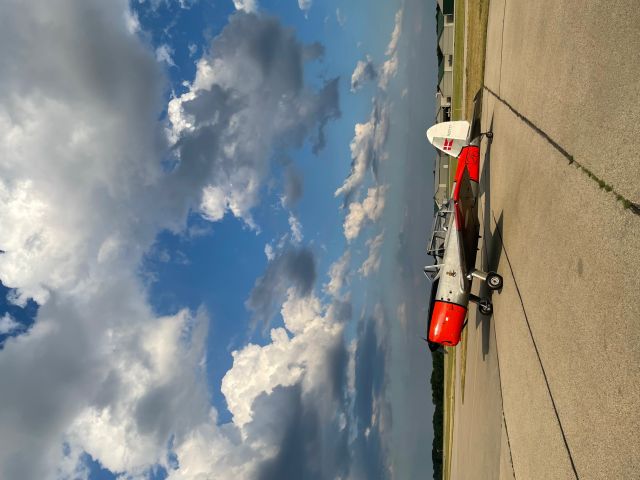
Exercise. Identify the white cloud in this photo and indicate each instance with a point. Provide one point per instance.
(296, 228)
(214, 203)
(341, 18)
(370, 209)
(392, 48)
(365, 71)
(80, 157)
(164, 54)
(338, 274)
(8, 325)
(243, 104)
(83, 194)
(248, 6)
(296, 354)
(372, 263)
(305, 5)
(131, 21)
(268, 251)
(160, 391)
(367, 149)
(389, 68)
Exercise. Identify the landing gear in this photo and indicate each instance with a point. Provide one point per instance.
(485, 306)
(494, 281)
(491, 279)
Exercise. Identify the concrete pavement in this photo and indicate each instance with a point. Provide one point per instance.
(565, 79)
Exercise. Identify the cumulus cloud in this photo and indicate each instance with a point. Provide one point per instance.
(367, 149)
(290, 268)
(279, 406)
(84, 193)
(294, 354)
(372, 263)
(392, 48)
(370, 409)
(80, 151)
(389, 68)
(364, 72)
(247, 100)
(370, 210)
(368, 144)
(338, 274)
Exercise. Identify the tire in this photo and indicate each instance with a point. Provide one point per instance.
(494, 281)
(485, 306)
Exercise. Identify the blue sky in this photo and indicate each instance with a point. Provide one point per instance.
(213, 224)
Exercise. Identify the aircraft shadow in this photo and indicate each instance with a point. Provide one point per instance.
(491, 249)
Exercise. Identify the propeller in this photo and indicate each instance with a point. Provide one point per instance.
(434, 347)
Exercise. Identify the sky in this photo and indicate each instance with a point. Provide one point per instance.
(213, 218)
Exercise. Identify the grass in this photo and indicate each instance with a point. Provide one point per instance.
(458, 61)
(476, 32)
(449, 403)
(607, 188)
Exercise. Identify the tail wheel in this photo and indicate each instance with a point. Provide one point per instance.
(485, 306)
(494, 281)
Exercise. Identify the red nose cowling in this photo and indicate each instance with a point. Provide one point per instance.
(446, 323)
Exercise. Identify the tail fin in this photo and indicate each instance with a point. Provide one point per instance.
(449, 137)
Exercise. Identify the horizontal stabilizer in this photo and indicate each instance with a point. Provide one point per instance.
(449, 137)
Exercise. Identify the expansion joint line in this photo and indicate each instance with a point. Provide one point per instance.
(535, 347)
(633, 207)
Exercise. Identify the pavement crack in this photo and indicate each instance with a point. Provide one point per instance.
(535, 347)
(504, 12)
(626, 203)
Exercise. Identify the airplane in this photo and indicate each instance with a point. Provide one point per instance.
(454, 240)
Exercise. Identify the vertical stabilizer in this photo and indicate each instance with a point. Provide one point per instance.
(449, 137)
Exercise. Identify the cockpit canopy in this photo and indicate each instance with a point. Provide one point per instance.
(435, 248)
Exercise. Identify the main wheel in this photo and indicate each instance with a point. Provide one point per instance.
(494, 281)
(485, 306)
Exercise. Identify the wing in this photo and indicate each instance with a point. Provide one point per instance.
(466, 203)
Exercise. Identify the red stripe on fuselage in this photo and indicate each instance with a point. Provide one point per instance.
(446, 323)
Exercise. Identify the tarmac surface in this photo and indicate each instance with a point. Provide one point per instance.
(552, 387)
